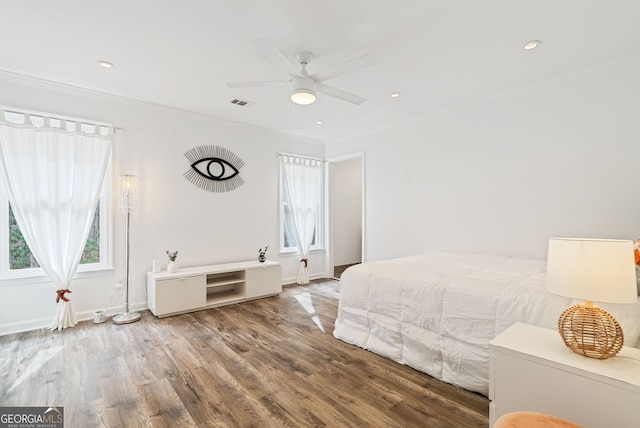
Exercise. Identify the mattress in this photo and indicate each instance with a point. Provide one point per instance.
(437, 312)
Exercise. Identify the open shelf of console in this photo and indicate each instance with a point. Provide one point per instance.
(224, 288)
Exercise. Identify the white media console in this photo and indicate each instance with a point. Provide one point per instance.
(202, 287)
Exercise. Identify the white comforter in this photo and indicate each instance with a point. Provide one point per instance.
(437, 312)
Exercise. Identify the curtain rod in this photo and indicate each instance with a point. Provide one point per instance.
(280, 154)
(60, 117)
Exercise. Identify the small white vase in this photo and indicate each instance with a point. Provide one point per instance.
(172, 267)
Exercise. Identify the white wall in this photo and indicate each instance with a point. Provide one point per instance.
(498, 175)
(205, 227)
(504, 173)
(345, 196)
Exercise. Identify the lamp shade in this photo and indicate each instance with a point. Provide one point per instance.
(600, 270)
(128, 192)
(304, 90)
(303, 96)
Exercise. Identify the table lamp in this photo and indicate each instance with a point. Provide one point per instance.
(601, 270)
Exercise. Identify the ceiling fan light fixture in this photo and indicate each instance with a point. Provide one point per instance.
(303, 96)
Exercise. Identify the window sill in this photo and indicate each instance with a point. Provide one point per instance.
(42, 279)
(294, 252)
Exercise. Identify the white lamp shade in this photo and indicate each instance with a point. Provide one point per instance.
(304, 90)
(128, 192)
(303, 96)
(599, 270)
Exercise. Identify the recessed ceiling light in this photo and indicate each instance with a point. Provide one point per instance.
(105, 64)
(394, 94)
(532, 45)
(319, 122)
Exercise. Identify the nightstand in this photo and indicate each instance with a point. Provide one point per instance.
(531, 369)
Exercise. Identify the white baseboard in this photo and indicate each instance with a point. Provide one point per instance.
(36, 324)
(39, 323)
(293, 279)
(19, 327)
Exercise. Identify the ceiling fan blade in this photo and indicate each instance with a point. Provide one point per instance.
(340, 94)
(344, 68)
(254, 84)
(276, 56)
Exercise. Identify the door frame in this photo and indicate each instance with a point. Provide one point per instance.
(329, 210)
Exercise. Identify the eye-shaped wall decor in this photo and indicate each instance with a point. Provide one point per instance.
(214, 168)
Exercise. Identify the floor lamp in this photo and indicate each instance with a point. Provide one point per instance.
(128, 202)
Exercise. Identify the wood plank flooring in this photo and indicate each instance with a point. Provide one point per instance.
(267, 363)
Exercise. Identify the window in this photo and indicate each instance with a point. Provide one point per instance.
(19, 261)
(16, 259)
(287, 238)
(20, 256)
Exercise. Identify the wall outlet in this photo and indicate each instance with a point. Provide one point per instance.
(120, 283)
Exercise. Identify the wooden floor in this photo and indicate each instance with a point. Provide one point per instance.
(270, 362)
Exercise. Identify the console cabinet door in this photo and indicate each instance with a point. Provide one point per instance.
(263, 281)
(180, 294)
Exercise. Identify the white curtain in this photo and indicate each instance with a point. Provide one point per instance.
(53, 179)
(303, 188)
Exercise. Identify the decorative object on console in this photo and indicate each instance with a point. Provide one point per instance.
(262, 254)
(214, 168)
(601, 270)
(172, 266)
(128, 202)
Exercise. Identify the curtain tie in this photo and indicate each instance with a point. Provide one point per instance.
(304, 261)
(61, 294)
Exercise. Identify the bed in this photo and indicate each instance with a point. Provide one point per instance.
(437, 312)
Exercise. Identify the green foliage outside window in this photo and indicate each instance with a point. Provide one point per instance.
(20, 256)
(19, 252)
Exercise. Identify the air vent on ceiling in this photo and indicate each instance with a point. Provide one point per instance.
(241, 103)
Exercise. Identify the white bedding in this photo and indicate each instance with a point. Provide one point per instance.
(437, 312)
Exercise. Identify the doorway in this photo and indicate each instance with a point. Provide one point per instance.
(346, 212)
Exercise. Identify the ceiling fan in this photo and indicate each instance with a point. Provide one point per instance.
(303, 85)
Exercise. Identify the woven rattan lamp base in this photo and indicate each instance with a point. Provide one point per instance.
(590, 331)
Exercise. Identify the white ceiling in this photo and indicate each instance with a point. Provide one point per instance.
(436, 53)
